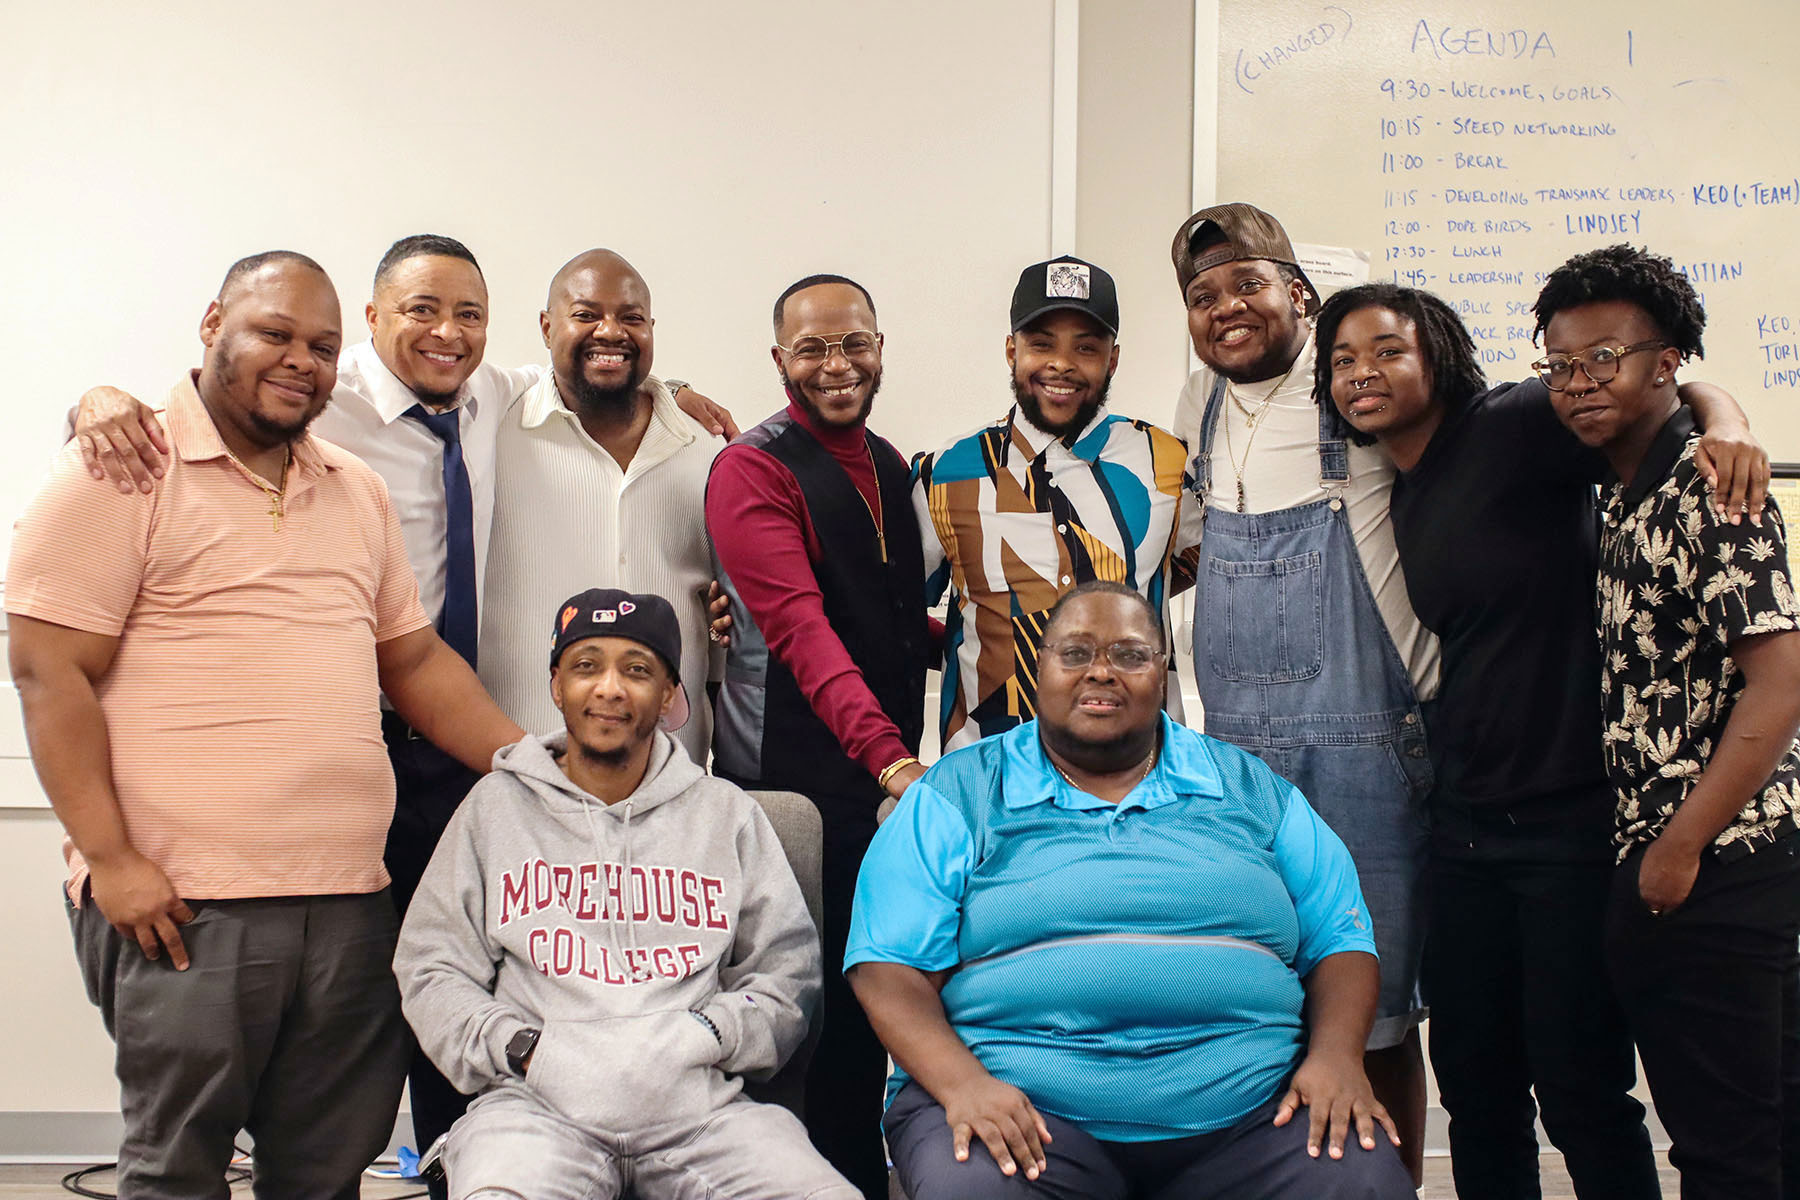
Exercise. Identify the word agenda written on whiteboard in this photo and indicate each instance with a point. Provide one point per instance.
(1472, 149)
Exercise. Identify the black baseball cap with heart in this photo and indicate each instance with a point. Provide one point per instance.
(644, 618)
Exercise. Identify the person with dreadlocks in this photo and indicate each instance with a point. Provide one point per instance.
(1700, 651)
(1493, 513)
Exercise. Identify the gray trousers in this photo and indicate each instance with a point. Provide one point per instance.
(511, 1145)
(286, 1024)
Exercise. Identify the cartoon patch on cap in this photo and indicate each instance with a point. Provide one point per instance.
(1068, 279)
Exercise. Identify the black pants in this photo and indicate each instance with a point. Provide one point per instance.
(1712, 998)
(428, 786)
(1520, 1001)
(847, 1078)
(1251, 1160)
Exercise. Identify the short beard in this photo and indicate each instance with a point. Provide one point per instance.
(1272, 365)
(642, 732)
(602, 403)
(270, 433)
(1035, 414)
(610, 760)
(799, 397)
(1102, 758)
(276, 432)
(435, 400)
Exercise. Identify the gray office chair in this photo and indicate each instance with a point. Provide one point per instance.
(802, 836)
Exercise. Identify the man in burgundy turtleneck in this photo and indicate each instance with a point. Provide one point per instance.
(812, 523)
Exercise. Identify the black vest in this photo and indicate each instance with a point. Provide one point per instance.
(765, 732)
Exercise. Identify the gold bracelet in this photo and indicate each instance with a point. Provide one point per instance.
(894, 768)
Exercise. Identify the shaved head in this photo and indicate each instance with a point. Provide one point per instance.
(606, 262)
(597, 325)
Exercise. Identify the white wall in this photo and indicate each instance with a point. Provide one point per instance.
(725, 148)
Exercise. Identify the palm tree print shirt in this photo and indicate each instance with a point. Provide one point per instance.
(1678, 585)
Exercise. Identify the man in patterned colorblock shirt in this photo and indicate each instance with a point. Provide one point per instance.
(1700, 633)
(1056, 493)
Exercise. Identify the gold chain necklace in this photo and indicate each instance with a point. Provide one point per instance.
(1238, 468)
(1144, 774)
(1251, 415)
(875, 513)
(277, 495)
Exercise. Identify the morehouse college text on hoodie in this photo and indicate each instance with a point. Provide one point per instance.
(609, 927)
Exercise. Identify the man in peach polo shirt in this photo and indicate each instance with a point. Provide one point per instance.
(199, 666)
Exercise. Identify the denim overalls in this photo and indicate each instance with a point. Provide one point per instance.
(1295, 664)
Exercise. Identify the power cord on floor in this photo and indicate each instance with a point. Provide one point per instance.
(76, 1181)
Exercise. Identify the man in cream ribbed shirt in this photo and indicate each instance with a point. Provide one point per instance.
(600, 482)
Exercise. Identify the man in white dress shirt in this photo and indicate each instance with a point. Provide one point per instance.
(601, 481)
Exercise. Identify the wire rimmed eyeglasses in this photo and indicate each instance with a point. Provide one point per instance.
(1126, 657)
(1599, 364)
(858, 343)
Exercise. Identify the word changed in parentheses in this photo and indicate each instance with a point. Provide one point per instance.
(1252, 65)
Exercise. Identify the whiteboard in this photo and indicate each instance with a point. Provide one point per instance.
(1470, 148)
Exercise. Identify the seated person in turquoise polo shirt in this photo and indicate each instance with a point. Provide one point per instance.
(1122, 955)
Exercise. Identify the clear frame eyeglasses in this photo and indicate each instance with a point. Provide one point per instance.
(858, 343)
(1599, 364)
(1127, 657)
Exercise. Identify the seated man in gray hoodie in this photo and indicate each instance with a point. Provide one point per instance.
(607, 942)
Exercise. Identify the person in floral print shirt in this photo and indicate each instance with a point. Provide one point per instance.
(1700, 632)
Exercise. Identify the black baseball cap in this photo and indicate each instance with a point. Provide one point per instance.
(1066, 282)
(644, 618)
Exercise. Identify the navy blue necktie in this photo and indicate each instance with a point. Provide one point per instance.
(457, 622)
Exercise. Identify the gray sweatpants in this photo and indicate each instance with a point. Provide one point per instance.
(511, 1145)
(286, 1024)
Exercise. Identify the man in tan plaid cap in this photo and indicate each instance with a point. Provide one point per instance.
(1306, 648)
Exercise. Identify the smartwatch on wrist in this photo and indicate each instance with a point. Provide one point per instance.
(519, 1049)
(708, 1022)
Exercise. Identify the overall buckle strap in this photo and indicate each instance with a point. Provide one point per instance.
(1334, 452)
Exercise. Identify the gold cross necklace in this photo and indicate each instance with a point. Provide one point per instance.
(1251, 415)
(277, 495)
(1237, 468)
